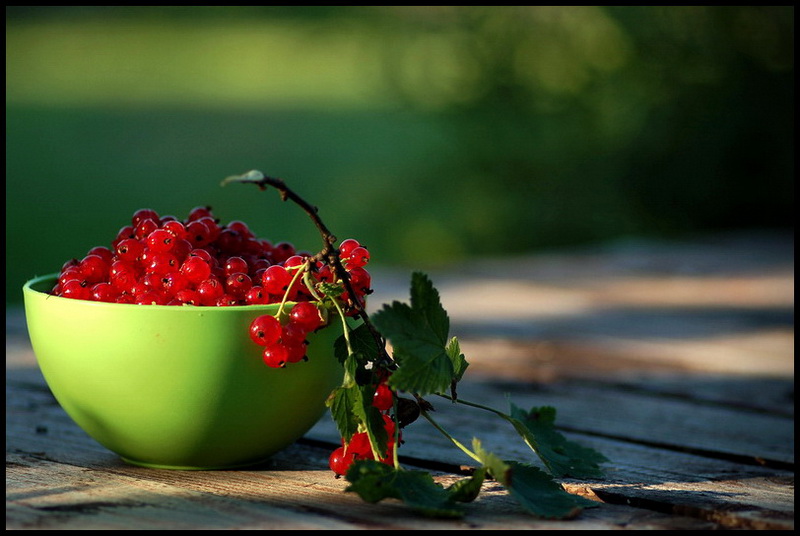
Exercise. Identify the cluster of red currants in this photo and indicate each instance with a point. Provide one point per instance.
(161, 260)
(358, 448)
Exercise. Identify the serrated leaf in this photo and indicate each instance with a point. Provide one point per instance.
(458, 360)
(561, 456)
(425, 299)
(374, 481)
(542, 496)
(372, 419)
(418, 333)
(342, 404)
(331, 290)
(468, 489)
(535, 490)
(352, 411)
(361, 341)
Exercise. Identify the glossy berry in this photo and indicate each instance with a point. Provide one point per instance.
(195, 269)
(265, 330)
(295, 351)
(358, 257)
(340, 461)
(238, 284)
(210, 291)
(199, 212)
(160, 240)
(275, 355)
(276, 279)
(144, 228)
(130, 250)
(383, 398)
(306, 316)
(176, 228)
(104, 292)
(347, 246)
(282, 251)
(256, 296)
(144, 214)
(236, 264)
(94, 268)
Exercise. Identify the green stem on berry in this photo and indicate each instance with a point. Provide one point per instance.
(311, 286)
(448, 436)
(299, 270)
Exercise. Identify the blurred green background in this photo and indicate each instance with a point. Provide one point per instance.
(432, 134)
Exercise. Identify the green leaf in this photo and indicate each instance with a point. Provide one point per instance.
(561, 456)
(468, 489)
(331, 290)
(342, 404)
(365, 349)
(418, 334)
(456, 358)
(352, 411)
(374, 481)
(535, 490)
(542, 496)
(425, 300)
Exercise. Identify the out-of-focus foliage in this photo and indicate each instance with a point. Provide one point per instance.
(584, 123)
(431, 133)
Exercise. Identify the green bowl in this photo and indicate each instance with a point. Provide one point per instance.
(176, 387)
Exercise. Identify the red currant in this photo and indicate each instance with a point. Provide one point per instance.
(176, 228)
(198, 233)
(276, 355)
(347, 246)
(236, 264)
(238, 284)
(210, 290)
(199, 212)
(306, 315)
(160, 240)
(144, 214)
(276, 279)
(383, 398)
(358, 257)
(265, 330)
(104, 292)
(130, 250)
(144, 228)
(282, 251)
(94, 268)
(241, 228)
(195, 269)
(256, 296)
(340, 461)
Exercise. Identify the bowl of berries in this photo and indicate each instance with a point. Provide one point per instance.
(193, 344)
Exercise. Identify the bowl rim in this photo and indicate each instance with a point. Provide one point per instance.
(27, 288)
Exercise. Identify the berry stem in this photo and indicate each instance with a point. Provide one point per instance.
(298, 271)
(448, 436)
(475, 405)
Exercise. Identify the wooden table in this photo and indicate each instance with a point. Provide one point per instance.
(676, 361)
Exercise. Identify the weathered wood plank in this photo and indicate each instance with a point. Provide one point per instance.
(39, 430)
(642, 417)
(710, 484)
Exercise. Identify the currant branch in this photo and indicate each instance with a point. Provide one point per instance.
(328, 253)
(426, 361)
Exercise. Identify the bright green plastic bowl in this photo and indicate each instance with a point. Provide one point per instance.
(176, 387)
